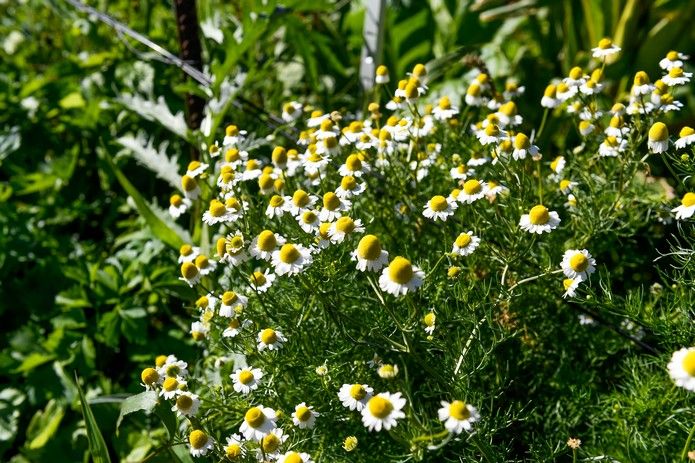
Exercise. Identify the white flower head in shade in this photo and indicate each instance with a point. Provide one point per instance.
(369, 254)
(355, 396)
(383, 411)
(235, 447)
(400, 277)
(676, 76)
(270, 339)
(605, 48)
(465, 244)
(304, 416)
(262, 281)
(187, 404)
(295, 457)
(570, 285)
(687, 207)
(539, 220)
(259, 421)
(200, 443)
(681, 368)
(673, 59)
(458, 416)
(686, 137)
(578, 263)
(439, 208)
(178, 206)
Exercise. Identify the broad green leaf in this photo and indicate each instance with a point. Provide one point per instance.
(97, 445)
(32, 361)
(72, 101)
(144, 401)
(168, 417)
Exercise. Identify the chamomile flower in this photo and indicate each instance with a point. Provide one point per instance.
(300, 202)
(439, 208)
(295, 457)
(354, 166)
(291, 259)
(673, 59)
(252, 170)
(400, 277)
(246, 379)
(309, 221)
(200, 330)
(333, 207)
(188, 253)
(681, 368)
(387, 371)
(508, 116)
(578, 263)
(494, 189)
(231, 301)
(612, 146)
(567, 185)
(658, 138)
(235, 447)
(458, 416)
(349, 187)
(276, 207)
(196, 168)
(477, 159)
(369, 255)
(605, 48)
(460, 172)
(491, 134)
(178, 206)
(259, 421)
(291, 111)
(687, 207)
(429, 320)
(173, 368)
(512, 89)
(586, 128)
(523, 147)
(381, 75)
(261, 281)
(472, 191)
(150, 378)
(205, 266)
(190, 273)
(271, 443)
(355, 396)
(304, 416)
(465, 244)
(171, 387)
(444, 109)
(265, 244)
(383, 411)
(474, 94)
(232, 135)
(591, 87)
(558, 164)
(564, 91)
(641, 84)
(616, 127)
(343, 227)
(234, 250)
(270, 339)
(200, 443)
(187, 404)
(575, 78)
(190, 187)
(550, 99)
(570, 285)
(218, 213)
(539, 220)
(676, 76)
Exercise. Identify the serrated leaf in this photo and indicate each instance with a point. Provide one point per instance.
(97, 445)
(144, 401)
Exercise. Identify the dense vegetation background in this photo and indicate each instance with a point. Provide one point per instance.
(87, 287)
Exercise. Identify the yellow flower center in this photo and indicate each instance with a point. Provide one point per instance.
(604, 44)
(576, 73)
(382, 70)
(611, 141)
(270, 443)
(202, 262)
(149, 376)
(472, 187)
(252, 164)
(258, 279)
(459, 411)
(438, 203)
(184, 402)
(323, 230)
(556, 162)
(411, 90)
(233, 203)
(445, 103)
(193, 165)
(508, 109)
(176, 200)
(345, 225)
(330, 142)
(688, 200)
(539, 215)
(300, 198)
(331, 201)
(419, 70)
(672, 55)
(379, 407)
(267, 241)
(565, 184)
(293, 457)
(236, 242)
(303, 414)
(269, 336)
(401, 270)
(231, 130)
(567, 282)
(170, 384)
(353, 163)
(202, 302)
(521, 141)
(491, 130)
(217, 209)
(369, 248)
(246, 377)
(160, 360)
(429, 319)
(254, 417)
(550, 91)
(188, 183)
(232, 155)
(198, 439)
(579, 262)
(265, 182)
(234, 323)
(233, 451)
(658, 132)
(675, 72)
(562, 87)
(309, 217)
(229, 297)
(463, 240)
(189, 270)
(357, 392)
(689, 363)
(641, 78)
(482, 78)
(473, 89)
(289, 253)
(348, 183)
(276, 201)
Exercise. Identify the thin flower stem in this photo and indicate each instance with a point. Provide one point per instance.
(430, 437)
(545, 118)
(526, 280)
(686, 447)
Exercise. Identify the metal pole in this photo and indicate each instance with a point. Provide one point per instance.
(373, 35)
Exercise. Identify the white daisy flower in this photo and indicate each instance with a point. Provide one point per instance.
(477, 159)
(252, 170)
(673, 59)
(218, 213)
(234, 327)
(508, 116)
(178, 206)
(605, 48)
(381, 75)
(676, 76)
(316, 118)
(612, 146)
(309, 221)
(172, 387)
(687, 207)
(585, 319)
(465, 244)
(235, 447)
(349, 187)
(523, 146)
(200, 443)
(343, 227)
(299, 202)
(570, 285)
(439, 208)
(190, 273)
(681, 368)
(472, 191)
(458, 416)
(246, 379)
(232, 135)
(491, 134)
(304, 416)
(276, 207)
(494, 189)
(616, 128)
(558, 164)
(549, 99)
(354, 166)
(199, 330)
(270, 339)
(430, 320)
(259, 421)
(460, 172)
(575, 78)
(369, 255)
(564, 91)
(265, 244)
(641, 84)
(539, 220)
(355, 396)
(230, 302)
(591, 87)
(382, 411)
(444, 109)
(173, 368)
(196, 168)
(291, 111)
(658, 138)
(512, 89)
(333, 207)
(187, 404)
(271, 444)
(400, 277)
(205, 266)
(578, 263)
(291, 259)
(295, 457)
(261, 281)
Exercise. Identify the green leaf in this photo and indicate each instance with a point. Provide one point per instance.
(97, 445)
(144, 401)
(168, 418)
(32, 361)
(44, 424)
(156, 225)
(72, 101)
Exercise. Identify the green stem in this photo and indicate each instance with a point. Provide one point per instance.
(545, 118)
(684, 454)
(430, 437)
